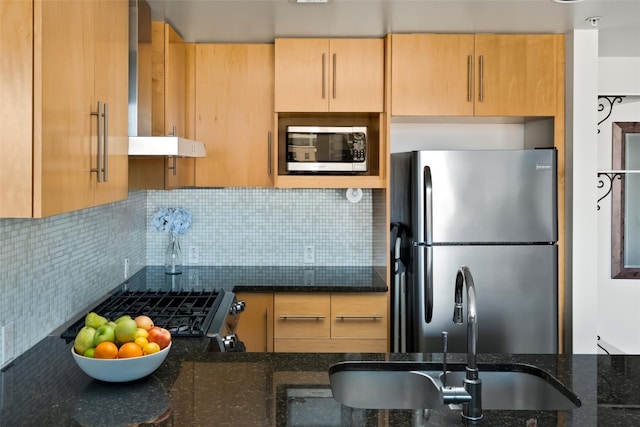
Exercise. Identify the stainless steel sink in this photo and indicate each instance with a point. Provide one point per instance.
(403, 385)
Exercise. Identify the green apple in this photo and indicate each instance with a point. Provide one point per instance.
(84, 339)
(89, 352)
(112, 324)
(104, 333)
(94, 320)
(126, 330)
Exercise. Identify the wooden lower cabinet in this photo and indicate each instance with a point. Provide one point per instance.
(255, 327)
(314, 322)
(330, 322)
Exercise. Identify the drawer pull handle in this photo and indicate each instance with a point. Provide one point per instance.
(302, 316)
(358, 316)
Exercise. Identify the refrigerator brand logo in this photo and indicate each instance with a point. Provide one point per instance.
(543, 166)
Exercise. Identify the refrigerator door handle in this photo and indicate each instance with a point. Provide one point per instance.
(428, 206)
(428, 284)
(428, 239)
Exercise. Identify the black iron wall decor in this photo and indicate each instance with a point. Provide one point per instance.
(605, 103)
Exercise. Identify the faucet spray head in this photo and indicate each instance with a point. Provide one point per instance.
(457, 308)
(457, 314)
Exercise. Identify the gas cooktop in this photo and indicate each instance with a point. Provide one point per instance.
(184, 313)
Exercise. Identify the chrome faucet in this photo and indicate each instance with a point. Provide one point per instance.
(471, 410)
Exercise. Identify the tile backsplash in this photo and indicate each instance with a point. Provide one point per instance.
(55, 267)
(254, 226)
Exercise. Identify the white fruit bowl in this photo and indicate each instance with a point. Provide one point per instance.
(121, 370)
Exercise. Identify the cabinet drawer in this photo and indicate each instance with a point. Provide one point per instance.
(359, 316)
(321, 345)
(302, 315)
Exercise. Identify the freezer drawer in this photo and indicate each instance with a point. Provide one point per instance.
(517, 306)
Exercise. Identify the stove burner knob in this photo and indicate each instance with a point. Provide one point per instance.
(237, 307)
(229, 342)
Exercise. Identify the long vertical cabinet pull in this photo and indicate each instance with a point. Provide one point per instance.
(266, 330)
(324, 75)
(98, 169)
(105, 144)
(174, 166)
(334, 76)
(269, 153)
(481, 74)
(469, 78)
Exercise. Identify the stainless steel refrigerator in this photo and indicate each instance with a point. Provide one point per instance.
(494, 211)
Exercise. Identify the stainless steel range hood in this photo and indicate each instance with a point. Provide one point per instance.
(141, 140)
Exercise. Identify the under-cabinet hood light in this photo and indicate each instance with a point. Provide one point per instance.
(311, 1)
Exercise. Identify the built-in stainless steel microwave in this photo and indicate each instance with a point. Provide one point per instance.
(326, 149)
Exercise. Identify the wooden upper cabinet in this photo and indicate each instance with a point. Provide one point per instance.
(329, 75)
(481, 75)
(518, 74)
(234, 114)
(16, 110)
(78, 150)
(111, 87)
(431, 74)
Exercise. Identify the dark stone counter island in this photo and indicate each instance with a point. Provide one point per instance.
(194, 387)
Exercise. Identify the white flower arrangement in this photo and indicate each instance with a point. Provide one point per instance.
(172, 220)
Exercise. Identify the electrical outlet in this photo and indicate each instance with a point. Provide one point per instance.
(194, 254)
(194, 278)
(8, 343)
(126, 268)
(309, 277)
(309, 256)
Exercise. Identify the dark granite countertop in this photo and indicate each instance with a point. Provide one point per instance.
(194, 387)
(262, 279)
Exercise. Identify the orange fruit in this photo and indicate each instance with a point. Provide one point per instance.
(106, 350)
(129, 349)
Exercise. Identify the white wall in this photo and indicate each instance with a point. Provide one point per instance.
(581, 182)
(617, 318)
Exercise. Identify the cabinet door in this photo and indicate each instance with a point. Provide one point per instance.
(179, 70)
(337, 75)
(431, 74)
(255, 328)
(65, 132)
(356, 77)
(359, 315)
(517, 74)
(16, 91)
(234, 114)
(302, 315)
(111, 59)
(301, 75)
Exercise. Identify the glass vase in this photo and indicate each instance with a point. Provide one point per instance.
(173, 256)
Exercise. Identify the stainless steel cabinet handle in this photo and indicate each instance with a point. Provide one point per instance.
(98, 169)
(175, 165)
(481, 89)
(324, 76)
(105, 144)
(334, 76)
(469, 78)
(302, 316)
(269, 153)
(359, 316)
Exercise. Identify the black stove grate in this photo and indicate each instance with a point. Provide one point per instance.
(183, 313)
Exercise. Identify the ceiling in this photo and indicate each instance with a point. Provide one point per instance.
(246, 21)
